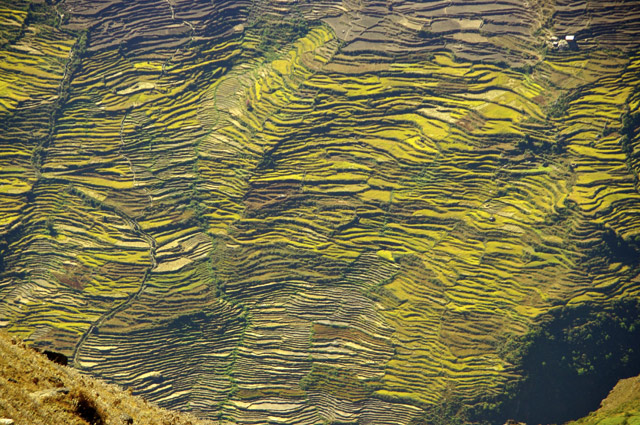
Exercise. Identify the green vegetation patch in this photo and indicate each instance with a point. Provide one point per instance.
(336, 381)
(275, 34)
(572, 359)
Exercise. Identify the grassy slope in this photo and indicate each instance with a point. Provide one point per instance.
(621, 407)
(39, 392)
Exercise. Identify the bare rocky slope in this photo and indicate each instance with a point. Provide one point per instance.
(373, 212)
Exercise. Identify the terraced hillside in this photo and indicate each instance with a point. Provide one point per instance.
(325, 212)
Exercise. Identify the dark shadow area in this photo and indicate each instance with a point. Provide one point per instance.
(572, 360)
(86, 409)
(613, 246)
(56, 357)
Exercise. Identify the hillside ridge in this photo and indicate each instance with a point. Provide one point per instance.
(36, 391)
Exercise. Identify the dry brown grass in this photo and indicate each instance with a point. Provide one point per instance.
(36, 391)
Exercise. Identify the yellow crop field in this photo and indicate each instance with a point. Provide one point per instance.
(268, 212)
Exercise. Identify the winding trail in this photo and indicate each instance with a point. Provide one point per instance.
(132, 297)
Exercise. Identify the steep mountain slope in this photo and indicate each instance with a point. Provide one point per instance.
(621, 407)
(36, 391)
(306, 212)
